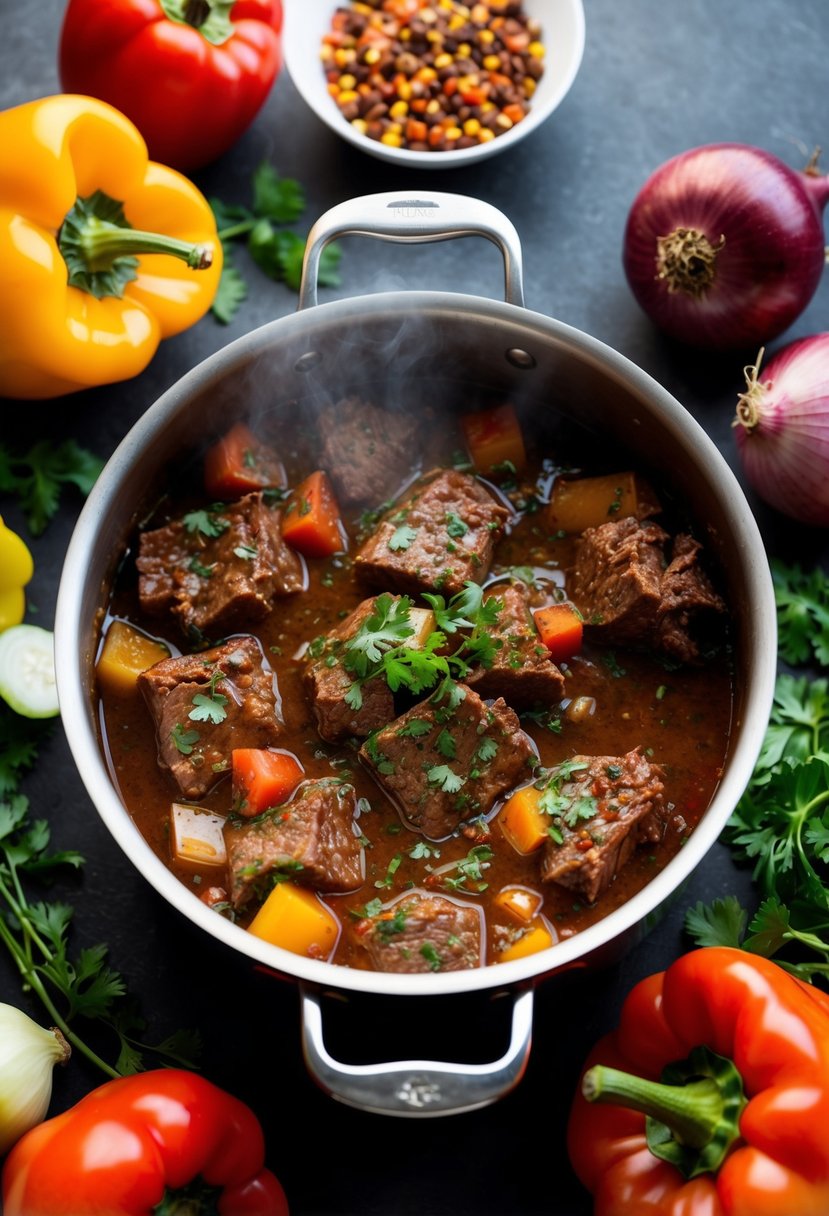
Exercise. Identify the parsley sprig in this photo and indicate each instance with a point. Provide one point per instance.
(781, 824)
(36, 932)
(276, 249)
(381, 645)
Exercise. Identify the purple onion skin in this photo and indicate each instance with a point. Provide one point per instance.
(782, 431)
(772, 258)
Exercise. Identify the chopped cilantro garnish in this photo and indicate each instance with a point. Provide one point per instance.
(402, 538)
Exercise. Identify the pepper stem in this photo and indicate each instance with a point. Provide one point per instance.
(693, 1113)
(210, 17)
(99, 246)
(686, 260)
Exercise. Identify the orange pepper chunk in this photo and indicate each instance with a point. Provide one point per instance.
(495, 440)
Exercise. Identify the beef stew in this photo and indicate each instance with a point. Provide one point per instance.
(470, 785)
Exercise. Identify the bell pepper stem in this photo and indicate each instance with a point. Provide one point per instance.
(99, 247)
(102, 242)
(692, 1113)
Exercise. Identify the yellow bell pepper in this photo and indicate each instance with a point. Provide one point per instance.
(88, 286)
(16, 569)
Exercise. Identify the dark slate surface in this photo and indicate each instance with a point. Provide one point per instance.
(656, 79)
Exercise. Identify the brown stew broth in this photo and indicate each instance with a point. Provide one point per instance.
(680, 715)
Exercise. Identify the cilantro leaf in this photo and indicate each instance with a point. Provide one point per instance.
(276, 198)
(38, 476)
(208, 522)
(402, 538)
(448, 780)
(276, 250)
(21, 738)
(387, 626)
(230, 293)
(802, 599)
(720, 923)
(209, 708)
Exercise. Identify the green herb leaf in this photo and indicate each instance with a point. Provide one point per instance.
(38, 476)
(442, 775)
(720, 923)
(281, 199)
(230, 293)
(209, 708)
(802, 599)
(402, 538)
(208, 522)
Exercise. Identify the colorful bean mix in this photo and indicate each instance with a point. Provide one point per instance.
(433, 76)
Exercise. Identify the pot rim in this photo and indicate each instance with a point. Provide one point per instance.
(74, 696)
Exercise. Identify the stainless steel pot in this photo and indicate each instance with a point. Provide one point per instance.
(445, 340)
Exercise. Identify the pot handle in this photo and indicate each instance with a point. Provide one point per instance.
(417, 1088)
(414, 218)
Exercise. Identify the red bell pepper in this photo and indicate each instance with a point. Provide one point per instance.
(155, 1143)
(191, 74)
(717, 1089)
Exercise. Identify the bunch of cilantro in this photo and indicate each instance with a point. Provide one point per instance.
(74, 987)
(380, 646)
(274, 247)
(781, 824)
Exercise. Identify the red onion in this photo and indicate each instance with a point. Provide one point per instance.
(782, 429)
(724, 245)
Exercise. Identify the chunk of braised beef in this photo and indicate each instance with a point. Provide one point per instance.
(600, 808)
(218, 568)
(419, 933)
(521, 670)
(206, 704)
(441, 535)
(327, 681)
(366, 450)
(689, 602)
(311, 840)
(449, 759)
(630, 593)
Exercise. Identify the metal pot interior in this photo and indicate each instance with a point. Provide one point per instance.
(444, 351)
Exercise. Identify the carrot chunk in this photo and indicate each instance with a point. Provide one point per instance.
(312, 523)
(241, 464)
(262, 778)
(523, 824)
(561, 629)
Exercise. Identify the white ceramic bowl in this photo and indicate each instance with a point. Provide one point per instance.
(562, 23)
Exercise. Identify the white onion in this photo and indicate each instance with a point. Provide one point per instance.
(782, 429)
(28, 1055)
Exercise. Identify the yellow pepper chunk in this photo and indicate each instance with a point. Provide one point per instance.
(587, 502)
(16, 570)
(538, 937)
(126, 653)
(520, 903)
(296, 920)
